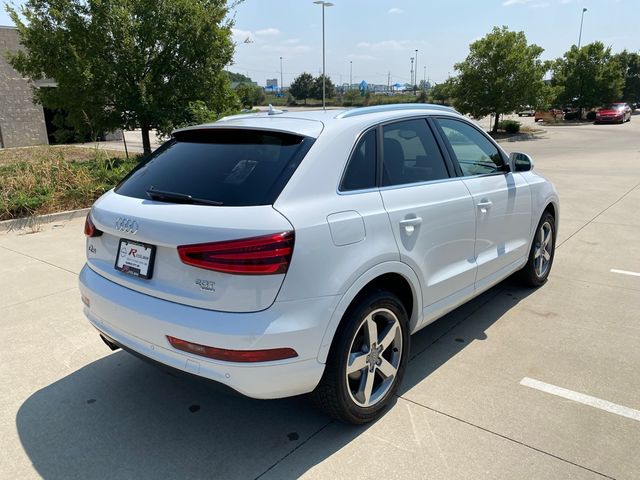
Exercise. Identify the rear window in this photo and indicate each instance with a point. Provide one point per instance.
(232, 167)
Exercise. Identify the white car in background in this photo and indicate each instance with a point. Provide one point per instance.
(287, 253)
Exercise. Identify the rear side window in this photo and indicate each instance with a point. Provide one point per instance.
(232, 167)
(411, 154)
(475, 154)
(361, 170)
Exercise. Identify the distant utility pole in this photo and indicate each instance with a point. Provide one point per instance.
(424, 78)
(581, 20)
(350, 73)
(388, 81)
(411, 70)
(281, 82)
(415, 80)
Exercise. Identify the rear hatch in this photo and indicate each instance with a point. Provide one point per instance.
(194, 223)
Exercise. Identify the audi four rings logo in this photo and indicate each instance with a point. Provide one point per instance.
(127, 225)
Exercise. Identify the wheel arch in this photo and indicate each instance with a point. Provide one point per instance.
(397, 277)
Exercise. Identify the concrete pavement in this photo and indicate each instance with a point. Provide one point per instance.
(71, 409)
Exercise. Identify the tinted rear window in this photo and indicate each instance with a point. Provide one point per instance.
(235, 167)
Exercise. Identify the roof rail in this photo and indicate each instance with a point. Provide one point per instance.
(355, 112)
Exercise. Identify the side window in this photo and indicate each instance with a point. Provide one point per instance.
(361, 170)
(411, 154)
(475, 154)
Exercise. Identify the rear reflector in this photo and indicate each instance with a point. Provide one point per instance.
(265, 255)
(90, 229)
(244, 356)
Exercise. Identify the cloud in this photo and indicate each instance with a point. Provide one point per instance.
(508, 3)
(291, 41)
(268, 32)
(242, 35)
(395, 11)
(286, 49)
(389, 45)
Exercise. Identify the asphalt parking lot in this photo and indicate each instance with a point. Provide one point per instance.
(516, 384)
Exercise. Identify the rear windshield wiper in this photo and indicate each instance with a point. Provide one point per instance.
(162, 195)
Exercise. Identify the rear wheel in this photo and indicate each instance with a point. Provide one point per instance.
(367, 359)
(538, 267)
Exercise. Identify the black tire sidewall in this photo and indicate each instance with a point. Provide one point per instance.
(374, 300)
(529, 272)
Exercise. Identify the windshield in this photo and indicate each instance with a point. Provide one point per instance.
(615, 106)
(232, 167)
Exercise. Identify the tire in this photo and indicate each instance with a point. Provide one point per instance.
(536, 271)
(360, 395)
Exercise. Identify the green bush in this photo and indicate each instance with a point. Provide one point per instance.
(509, 126)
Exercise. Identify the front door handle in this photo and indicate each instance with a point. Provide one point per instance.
(410, 224)
(485, 205)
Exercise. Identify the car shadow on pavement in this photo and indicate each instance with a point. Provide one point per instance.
(119, 417)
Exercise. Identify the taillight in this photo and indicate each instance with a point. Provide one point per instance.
(265, 255)
(90, 229)
(245, 356)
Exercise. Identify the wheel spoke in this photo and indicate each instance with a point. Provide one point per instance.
(357, 361)
(547, 238)
(388, 336)
(366, 386)
(547, 256)
(387, 369)
(372, 330)
(537, 253)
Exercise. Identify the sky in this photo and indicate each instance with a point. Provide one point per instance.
(377, 38)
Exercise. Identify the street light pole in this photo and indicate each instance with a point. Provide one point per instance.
(324, 5)
(281, 81)
(415, 83)
(350, 73)
(581, 20)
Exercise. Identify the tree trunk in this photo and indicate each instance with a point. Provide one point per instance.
(146, 143)
(495, 125)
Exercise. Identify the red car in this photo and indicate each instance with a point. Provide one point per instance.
(618, 112)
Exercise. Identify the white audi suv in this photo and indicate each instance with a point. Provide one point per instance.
(283, 253)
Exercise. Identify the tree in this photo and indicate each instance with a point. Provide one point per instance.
(630, 64)
(501, 74)
(239, 78)
(124, 64)
(250, 95)
(301, 87)
(442, 92)
(329, 87)
(588, 77)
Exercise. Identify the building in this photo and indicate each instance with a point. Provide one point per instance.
(272, 83)
(22, 123)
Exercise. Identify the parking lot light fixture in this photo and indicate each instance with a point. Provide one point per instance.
(324, 5)
(584, 9)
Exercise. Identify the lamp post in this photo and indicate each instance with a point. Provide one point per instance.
(350, 73)
(581, 20)
(415, 79)
(281, 81)
(324, 5)
(424, 79)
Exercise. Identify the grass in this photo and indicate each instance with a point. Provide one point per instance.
(41, 180)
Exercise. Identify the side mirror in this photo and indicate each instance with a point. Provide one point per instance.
(520, 162)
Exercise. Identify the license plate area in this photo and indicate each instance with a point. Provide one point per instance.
(135, 258)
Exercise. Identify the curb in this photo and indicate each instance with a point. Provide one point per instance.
(31, 222)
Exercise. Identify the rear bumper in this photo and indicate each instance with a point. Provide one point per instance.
(140, 323)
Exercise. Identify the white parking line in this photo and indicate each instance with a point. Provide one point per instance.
(625, 272)
(582, 398)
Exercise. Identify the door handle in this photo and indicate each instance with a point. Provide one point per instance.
(410, 224)
(484, 205)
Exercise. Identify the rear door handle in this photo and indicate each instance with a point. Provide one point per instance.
(410, 224)
(485, 205)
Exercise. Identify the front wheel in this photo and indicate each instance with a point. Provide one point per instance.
(367, 359)
(538, 267)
